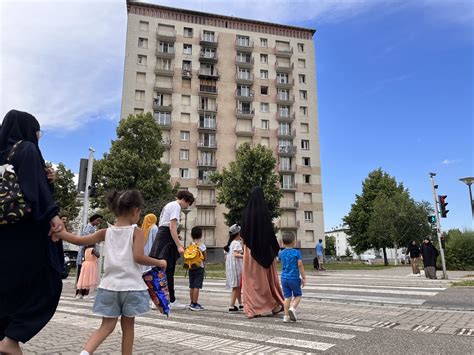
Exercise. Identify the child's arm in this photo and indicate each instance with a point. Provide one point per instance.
(303, 275)
(174, 235)
(94, 238)
(138, 254)
(238, 255)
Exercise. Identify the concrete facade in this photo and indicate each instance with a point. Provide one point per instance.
(214, 82)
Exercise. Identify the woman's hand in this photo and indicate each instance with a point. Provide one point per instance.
(57, 225)
(50, 174)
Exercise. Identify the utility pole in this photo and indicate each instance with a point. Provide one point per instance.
(438, 225)
(85, 210)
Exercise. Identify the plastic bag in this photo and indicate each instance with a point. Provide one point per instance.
(157, 284)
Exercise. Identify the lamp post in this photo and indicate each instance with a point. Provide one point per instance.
(469, 181)
(185, 211)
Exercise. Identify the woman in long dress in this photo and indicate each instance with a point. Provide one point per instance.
(260, 285)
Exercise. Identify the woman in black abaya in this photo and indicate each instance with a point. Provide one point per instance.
(260, 285)
(30, 262)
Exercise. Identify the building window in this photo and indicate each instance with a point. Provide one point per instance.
(304, 110)
(308, 216)
(184, 173)
(301, 63)
(302, 78)
(300, 47)
(303, 95)
(263, 90)
(141, 60)
(243, 41)
(141, 77)
(188, 32)
(185, 117)
(187, 48)
(184, 154)
(143, 26)
(142, 42)
(282, 78)
(185, 100)
(265, 124)
(305, 144)
(263, 42)
(264, 74)
(264, 58)
(264, 107)
(187, 65)
(307, 179)
(306, 161)
(184, 135)
(304, 128)
(139, 95)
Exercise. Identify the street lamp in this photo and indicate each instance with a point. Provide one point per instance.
(469, 181)
(185, 211)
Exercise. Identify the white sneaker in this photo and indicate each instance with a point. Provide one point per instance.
(292, 313)
(79, 297)
(286, 319)
(176, 305)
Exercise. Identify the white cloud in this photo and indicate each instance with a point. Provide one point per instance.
(449, 162)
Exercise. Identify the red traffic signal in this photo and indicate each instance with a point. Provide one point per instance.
(442, 205)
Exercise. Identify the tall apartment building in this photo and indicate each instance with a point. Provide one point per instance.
(214, 82)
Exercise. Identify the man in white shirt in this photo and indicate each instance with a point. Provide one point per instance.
(167, 244)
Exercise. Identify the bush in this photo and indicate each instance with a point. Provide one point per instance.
(459, 250)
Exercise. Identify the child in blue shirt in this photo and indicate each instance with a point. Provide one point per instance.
(292, 267)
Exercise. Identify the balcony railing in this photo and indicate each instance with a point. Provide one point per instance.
(206, 202)
(163, 88)
(206, 163)
(244, 95)
(283, 52)
(244, 62)
(285, 99)
(284, 68)
(205, 222)
(187, 74)
(285, 117)
(244, 131)
(204, 73)
(165, 53)
(288, 224)
(283, 168)
(159, 105)
(208, 57)
(289, 205)
(289, 186)
(244, 113)
(208, 40)
(166, 142)
(164, 71)
(288, 150)
(207, 125)
(286, 133)
(208, 89)
(244, 78)
(280, 84)
(207, 144)
(204, 182)
(244, 45)
(164, 123)
(166, 35)
(208, 108)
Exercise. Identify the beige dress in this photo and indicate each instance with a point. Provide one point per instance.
(261, 289)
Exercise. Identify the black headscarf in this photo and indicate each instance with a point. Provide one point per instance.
(257, 229)
(16, 126)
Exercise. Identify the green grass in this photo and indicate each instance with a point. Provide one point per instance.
(463, 283)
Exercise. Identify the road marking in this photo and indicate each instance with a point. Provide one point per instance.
(424, 328)
(356, 328)
(466, 332)
(362, 298)
(313, 345)
(348, 320)
(387, 325)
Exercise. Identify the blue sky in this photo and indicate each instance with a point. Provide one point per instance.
(395, 85)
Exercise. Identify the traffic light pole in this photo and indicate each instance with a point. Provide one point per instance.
(438, 226)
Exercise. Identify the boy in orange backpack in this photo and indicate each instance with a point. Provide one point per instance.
(194, 257)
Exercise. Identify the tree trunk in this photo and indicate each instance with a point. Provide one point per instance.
(385, 261)
(395, 244)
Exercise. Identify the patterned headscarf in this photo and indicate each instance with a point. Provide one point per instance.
(148, 222)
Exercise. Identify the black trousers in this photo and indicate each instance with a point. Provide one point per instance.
(26, 309)
(165, 248)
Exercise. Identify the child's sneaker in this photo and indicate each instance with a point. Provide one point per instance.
(286, 319)
(199, 306)
(233, 309)
(176, 305)
(193, 307)
(292, 313)
(241, 307)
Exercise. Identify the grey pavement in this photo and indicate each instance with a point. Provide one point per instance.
(343, 321)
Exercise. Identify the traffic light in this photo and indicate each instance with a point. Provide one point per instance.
(443, 242)
(432, 219)
(442, 205)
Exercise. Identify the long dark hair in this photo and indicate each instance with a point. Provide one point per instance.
(231, 239)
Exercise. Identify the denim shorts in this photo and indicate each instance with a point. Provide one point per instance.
(291, 287)
(196, 277)
(113, 304)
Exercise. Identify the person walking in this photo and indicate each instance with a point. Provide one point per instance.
(150, 229)
(122, 292)
(429, 255)
(89, 277)
(233, 267)
(413, 251)
(167, 244)
(320, 254)
(31, 263)
(261, 289)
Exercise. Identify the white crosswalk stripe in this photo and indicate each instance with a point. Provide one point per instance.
(425, 329)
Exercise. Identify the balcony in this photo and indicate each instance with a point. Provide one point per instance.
(285, 84)
(163, 88)
(285, 117)
(244, 62)
(244, 131)
(283, 99)
(289, 205)
(246, 114)
(206, 164)
(186, 74)
(204, 183)
(206, 202)
(244, 95)
(208, 222)
(207, 90)
(165, 53)
(286, 133)
(243, 45)
(288, 224)
(206, 145)
(207, 108)
(206, 57)
(246, 79)
(208, 40)
(166, 142)
(287, 169)
(164, 71)
(208, 74)
(289, 187)
(166, 36)
(160, 106)
(284, 68)
(164, 123)
(287, 150)
(283, 52)
(207, 125)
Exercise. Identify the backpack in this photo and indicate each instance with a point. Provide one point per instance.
(193, 257)
(13, 207)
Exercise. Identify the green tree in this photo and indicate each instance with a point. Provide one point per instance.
(65, 192)
(348, 252)
(253, 166)
(133, 162)
(330, 248)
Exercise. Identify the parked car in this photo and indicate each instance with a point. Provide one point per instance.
(70, 258)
